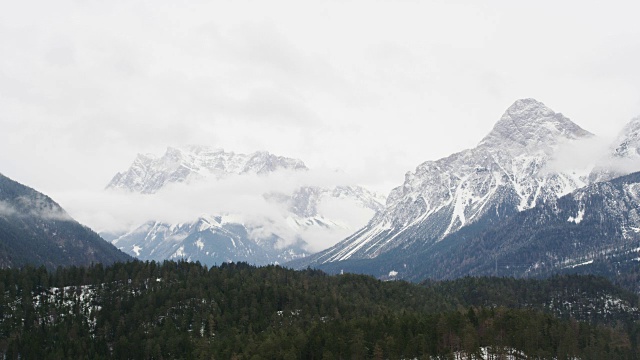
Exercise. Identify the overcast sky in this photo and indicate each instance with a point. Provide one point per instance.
(369, 87)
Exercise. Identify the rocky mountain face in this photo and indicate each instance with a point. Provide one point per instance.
(35, 230)
(149, 173)
(279, 236)
(505, 174)
(596, 224)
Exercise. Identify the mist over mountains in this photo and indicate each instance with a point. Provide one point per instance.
(260, 208)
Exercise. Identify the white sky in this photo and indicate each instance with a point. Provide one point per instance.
(370, 87)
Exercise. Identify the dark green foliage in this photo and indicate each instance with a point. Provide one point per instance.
(184, 310)
(585, 297)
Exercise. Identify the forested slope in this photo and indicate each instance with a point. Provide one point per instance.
(185, 310)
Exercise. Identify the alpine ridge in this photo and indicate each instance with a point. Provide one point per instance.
(504, 174)
(149, 173)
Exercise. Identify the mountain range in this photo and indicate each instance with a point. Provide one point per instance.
(279, 235)
(505, 207)
(495, 209)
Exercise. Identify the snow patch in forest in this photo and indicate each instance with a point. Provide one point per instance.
(581, 264)
(179, 253)
(578, 217)
(487, 353)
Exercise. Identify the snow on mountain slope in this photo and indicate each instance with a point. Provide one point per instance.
(149, 173)
(504, 174)
(210, 240)
(591, 226)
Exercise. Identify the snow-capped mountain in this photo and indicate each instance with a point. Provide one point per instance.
(150, 173)
(288, 225)
(506, 173)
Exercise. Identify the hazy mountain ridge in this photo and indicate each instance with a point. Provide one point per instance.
(304, 201)
(149, 173)
(35, 230)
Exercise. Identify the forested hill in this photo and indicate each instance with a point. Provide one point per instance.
(185, 310)
(35, 230)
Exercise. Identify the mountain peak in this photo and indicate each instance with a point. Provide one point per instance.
(529, 105)
(529, 122)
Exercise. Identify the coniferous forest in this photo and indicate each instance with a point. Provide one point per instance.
(181, 310)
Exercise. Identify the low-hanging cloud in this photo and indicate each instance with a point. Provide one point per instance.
(593, 158)
(7, 209)
(579, 155)
(37, 206)
(239, 198)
